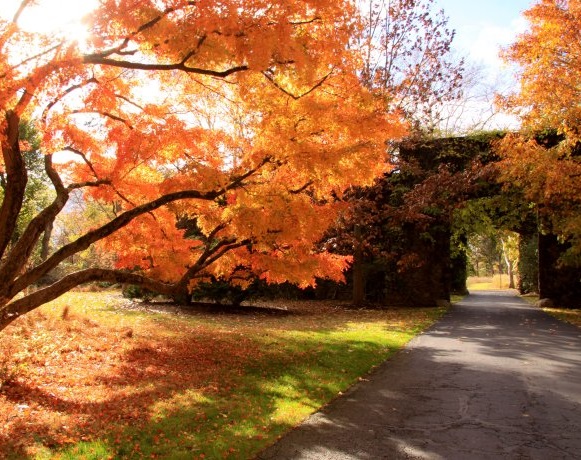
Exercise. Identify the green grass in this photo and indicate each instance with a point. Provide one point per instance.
(259, 376)
(569, 316)
(572, 316)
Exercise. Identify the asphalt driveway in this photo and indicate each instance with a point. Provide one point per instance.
(496, 378)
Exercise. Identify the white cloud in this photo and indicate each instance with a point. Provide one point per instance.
(491, 39)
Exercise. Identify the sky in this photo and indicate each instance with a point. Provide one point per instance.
(484, 27)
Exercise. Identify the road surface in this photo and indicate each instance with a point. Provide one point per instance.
(496, 378)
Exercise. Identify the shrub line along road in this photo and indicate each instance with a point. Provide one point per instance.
(496, 378)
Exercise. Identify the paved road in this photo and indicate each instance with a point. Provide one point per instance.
(494, 379)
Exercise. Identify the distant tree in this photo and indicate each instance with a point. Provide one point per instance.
(509, 242)
(408, 58)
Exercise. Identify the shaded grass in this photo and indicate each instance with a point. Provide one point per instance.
(96, 377)
(572, 316)
(567, 315)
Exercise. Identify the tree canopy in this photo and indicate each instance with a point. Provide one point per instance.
(247, 119)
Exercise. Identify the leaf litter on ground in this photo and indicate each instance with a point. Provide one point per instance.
(93, 375)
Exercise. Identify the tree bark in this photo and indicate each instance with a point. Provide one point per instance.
(358, 271)
(15, 182)
(45, 249)
(13, 310)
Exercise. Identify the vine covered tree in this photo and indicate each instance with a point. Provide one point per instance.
(125, 115)
(407, 59)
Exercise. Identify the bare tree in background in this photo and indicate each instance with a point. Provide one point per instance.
(408, 58)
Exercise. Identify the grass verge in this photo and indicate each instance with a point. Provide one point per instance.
(572, 316)
(93, 376)
(567, 315)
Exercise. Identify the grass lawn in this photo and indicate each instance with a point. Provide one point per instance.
(564, 314)
(94, 376)
(487, 283)
(570, 316)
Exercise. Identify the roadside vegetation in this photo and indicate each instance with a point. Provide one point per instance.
(97, 376)
(567, 315)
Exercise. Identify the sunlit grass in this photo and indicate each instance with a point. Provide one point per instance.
(488, 283)
(572, 316)
(94, 379)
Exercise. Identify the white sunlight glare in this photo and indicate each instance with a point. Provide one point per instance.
(62, 17)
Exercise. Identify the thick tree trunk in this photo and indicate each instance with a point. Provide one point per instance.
(15, 183)
(557, 282)
(358, 281)
(12, 310)
(181, 296)
(358, 271)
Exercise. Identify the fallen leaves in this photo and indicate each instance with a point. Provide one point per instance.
(188, 381)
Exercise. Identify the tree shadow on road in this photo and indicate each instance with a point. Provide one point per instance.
(489, 381)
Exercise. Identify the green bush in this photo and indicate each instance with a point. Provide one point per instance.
(131, 291)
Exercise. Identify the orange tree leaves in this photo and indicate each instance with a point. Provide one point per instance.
(545, 158)
(549, 60)
(245, 118)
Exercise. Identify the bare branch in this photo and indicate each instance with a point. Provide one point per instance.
(107, 115)
(301, 189)
(21, 8)
(23, 248)
(96, 183)
(306, 21)
(84, 157)
(63, 94)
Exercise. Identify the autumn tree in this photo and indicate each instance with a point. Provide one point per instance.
(119, 112)
(544, 157)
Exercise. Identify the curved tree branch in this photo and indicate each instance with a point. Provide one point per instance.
(117, 223)
(19, 255)
(296, 97)
(19, 307)
(95, 59)
(21, 8)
